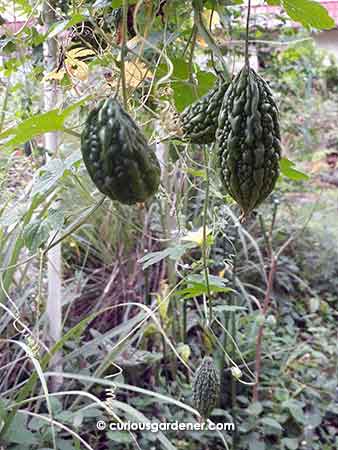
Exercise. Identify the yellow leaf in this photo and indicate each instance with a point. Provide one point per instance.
(163, 301)
(215, 19)
(236, 372)
(150, 330)
(77, 69)
(79, 52)
(197, 236)
(55, 75)
(201, 42)
(207, 341)
(184, 351)
(221, 273)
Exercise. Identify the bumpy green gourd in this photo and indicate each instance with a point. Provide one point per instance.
(199, 120)
(205, 387)
(117, 156)
(248, 138)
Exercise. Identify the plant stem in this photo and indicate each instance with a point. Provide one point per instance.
(198, 21)
(204, 247)
(123, 52)
(4, 105)
(233, 352)
(273, 221)
(74, 227)
(265, 235)
(184, 332)
(224, 380)
(266, 304)
(72, 133)
(191, 55)
(273, 267)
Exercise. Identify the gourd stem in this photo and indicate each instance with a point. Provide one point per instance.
(191, 56)
(247, 35)
(198, 21)
(123, 52)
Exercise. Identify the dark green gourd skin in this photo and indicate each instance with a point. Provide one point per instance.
(206, 387)
(199, 120)
(117, 156)
(248, 139)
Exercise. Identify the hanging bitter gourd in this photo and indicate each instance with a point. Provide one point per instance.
(248, 138)
(206, 387)
(198, 121)
(117, 156)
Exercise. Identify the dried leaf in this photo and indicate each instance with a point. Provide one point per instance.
(136, 73)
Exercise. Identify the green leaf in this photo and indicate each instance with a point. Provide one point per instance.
(206, 80)
(309, 13)
(256, 444)
(273, 2)
(174, 253)
(35, 235)
(254, 409)
(56, 218)
(185, 92)
(314, 419)
(290, 444)
(181, 68)
(196, 172)
(286, 167)
(18, 432)
(210, 4)
(154, 257)
(296, 410)
(48, 176)
(197, 286)
(228, 308)
(59, 27)
(38, 124)
(12, 215)
(214, 281)
(200, 289)
(63, 444)
(111, 3)
(271, 423)
(3, 410)
(122, 437)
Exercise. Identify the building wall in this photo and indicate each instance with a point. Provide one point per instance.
(328, 40)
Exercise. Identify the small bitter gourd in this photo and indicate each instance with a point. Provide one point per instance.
(206, 387)
(199, 120)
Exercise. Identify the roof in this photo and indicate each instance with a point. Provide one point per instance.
(330, 5)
